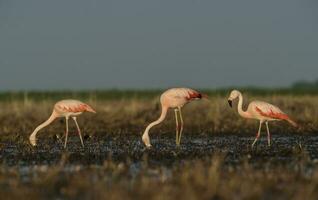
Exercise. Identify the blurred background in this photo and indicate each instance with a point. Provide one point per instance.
(118, 56)
(146, 44)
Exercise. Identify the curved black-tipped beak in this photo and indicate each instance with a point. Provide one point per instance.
(230, 103)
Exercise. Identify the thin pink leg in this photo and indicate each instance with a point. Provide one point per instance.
(177, 126)
(258, 134)
(268, 135)
(66, 134)
(181, 128)
(79, 131)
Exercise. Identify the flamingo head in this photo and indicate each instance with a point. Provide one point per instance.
(234, 94)
(146, 141)
(32, 140)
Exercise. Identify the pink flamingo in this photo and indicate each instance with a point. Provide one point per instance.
(262, 111)
(67, 109)
(174, 98)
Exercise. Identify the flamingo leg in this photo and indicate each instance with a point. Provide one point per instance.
(181, 129)
(79, 131)
(66, 133)
(177, 126)
(268, 135)
(258, 133)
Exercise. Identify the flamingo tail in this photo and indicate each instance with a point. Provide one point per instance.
(293, 123)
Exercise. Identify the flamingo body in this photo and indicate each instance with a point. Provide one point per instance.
(178, 97)
(262, 111)
(64, 108)
(174, 98)
(71, 107)
(265, 111)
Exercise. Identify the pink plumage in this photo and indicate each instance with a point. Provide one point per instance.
(72, 106)
(174, 98)
(65, 108)
(262, 111)
(271, 114)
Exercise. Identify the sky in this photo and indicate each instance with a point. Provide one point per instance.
(144, 44)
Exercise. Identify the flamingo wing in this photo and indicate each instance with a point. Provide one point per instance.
(268, 110)
(190, 94)
(183, 93)
(73, 106)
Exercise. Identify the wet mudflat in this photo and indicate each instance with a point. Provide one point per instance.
(210, 164)
(284, 149)
(119, 166)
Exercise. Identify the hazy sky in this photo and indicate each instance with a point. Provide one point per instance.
(95, 44)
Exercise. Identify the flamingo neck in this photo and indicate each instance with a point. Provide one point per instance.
(44, 124)
(145, 136)
(244, 114)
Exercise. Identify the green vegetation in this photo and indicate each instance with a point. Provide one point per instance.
(306, 85)
(298, 89)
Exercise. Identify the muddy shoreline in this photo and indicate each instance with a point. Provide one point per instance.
(284, 149)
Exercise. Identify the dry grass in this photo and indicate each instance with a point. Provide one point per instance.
(196, 179)
(209, 178)
(130, 116)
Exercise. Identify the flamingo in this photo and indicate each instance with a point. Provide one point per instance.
(174, 98)
(64, 108)
(262, 111)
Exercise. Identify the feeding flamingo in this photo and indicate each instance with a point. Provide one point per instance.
(174, 98)
(67, 109)
(262, 111)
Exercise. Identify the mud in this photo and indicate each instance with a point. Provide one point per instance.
(123, 148)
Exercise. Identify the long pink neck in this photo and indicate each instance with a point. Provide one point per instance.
(145, 136)
(44, 124)
(244, 114)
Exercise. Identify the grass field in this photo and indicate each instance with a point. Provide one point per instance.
(129, 113)
(215, 160)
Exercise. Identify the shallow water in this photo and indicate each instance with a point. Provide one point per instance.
(29, 161)
(164, 151)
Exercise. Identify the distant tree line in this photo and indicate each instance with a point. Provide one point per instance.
(306, 85)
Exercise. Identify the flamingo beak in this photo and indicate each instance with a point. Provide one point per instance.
(230, 102)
